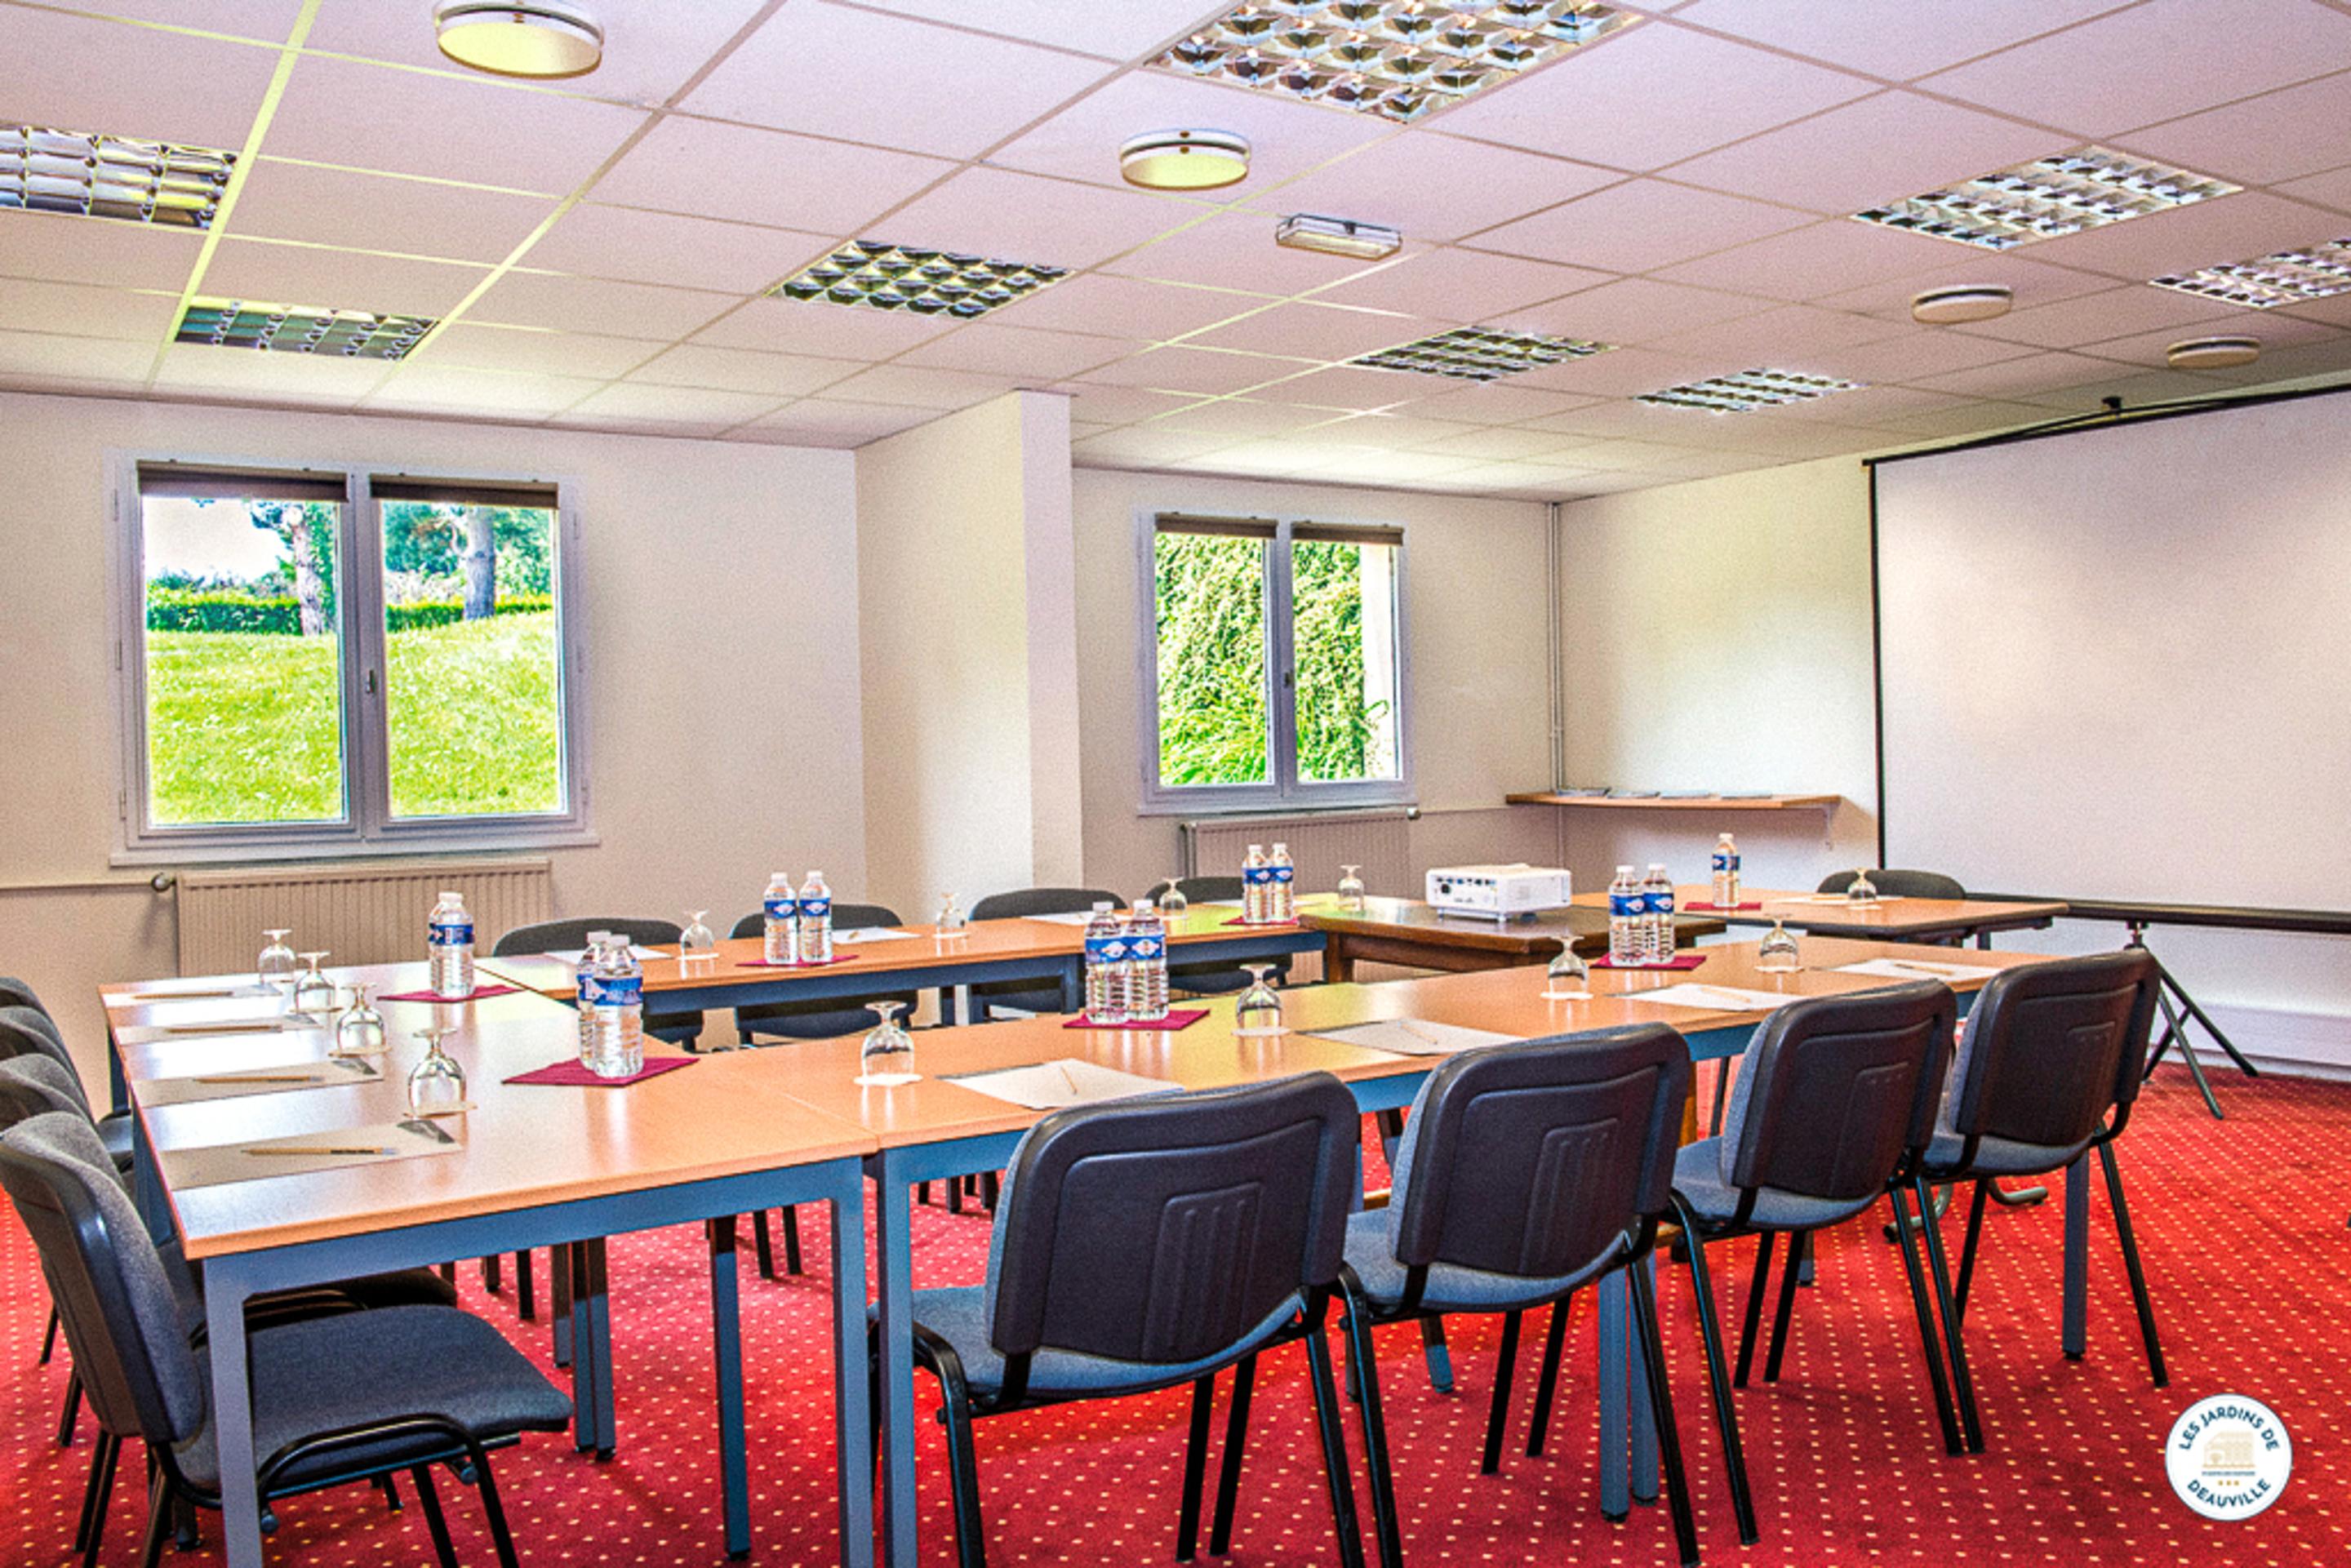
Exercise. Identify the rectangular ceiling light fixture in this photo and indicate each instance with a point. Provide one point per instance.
(1400, 59)
(2288, 278)
(1747, 391)
(46, 171)
(926, 282)
(301, 329)
(1480, 354)
(2050, 197)
(1337, 236)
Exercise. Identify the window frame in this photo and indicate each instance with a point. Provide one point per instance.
(1286, 791)
(368, 827)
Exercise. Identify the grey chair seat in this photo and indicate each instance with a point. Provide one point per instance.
(1996, 1158)
(114, 1132)
(329, 1373)
(958, 1316)
(1370, 1252)
(1697, 1178)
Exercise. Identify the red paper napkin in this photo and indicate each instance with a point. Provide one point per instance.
(1680, 961)
(838, 957)
(478, 993)
(576, 1075)
(1264, 924)
(1720, 908)
(1178, 1018)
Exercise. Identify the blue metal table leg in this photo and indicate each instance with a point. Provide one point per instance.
(726, 1340)
(1615, 1320)
(559, 1311)
(892, 1235)
(1074, 987)
(591, 1345)
(2074, 1330)
(852, 1420)
(1644, 1420)
(225, 1298)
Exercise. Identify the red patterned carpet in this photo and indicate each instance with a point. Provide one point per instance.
(2243, 1224)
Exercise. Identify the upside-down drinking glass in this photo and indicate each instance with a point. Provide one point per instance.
(437, 1085)
(1569, 977)
(1259, 1012)
(1172, 901)
(1351, 889)
(1776, 954)
(1861, 890)
(697, 938)
(359, 1031)
(887, 1058)
(313, 992)
(952, 921)
(275, 965)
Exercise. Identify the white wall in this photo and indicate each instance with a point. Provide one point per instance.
(969, 722)
(1475, 617)
(1756, 674)
(704, 565)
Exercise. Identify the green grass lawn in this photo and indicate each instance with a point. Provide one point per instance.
(244, 728)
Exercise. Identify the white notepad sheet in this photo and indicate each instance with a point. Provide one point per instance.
(1050, 1085)
(1416, 1036)
(1916, 969)
(1713, 998)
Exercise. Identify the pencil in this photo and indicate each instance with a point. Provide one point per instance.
(314, 1152)
(272, 1078)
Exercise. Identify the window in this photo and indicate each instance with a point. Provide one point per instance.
(1275, 674)
(316, 660)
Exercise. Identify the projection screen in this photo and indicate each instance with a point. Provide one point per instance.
(2117, 664)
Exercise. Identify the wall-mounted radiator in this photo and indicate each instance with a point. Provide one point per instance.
(1379, 841)
(360, 914)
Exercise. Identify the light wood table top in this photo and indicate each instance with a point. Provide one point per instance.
(1209, 1055)
(134, 1008)
(1539, 936)
(1892, 918)
(526, 1145)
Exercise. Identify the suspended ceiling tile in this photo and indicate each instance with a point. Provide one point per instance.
(686, 406)
(598, 241)
(1909, 358)
(1898, 42)
(79, 73)
(1311, 331)
(201, 368)
(1501, 444)
(2261, 141)
(754, 175)
(1144, 444)
(866, 77)
(829, 331)
(1435, 187)
(1121, 405)
(1241, 418)
(651, 47)
(470, 127)
(910, 386)
(1641, 225)
(2115, 313)
(1776, 336)
(1196, 371)
(1352, 390)
(31, 305)
(337, 279)
(67, 248)
(599, 304)
(1623, 373)
(270, 20)
(2332, 189)
(855, 422)
(2034, 283)
(1861, 155)
(1601, 103)
(451, 388)
(1496, 402)
(1287, 137)
(1460, 286)
(476, 346)
(1637, 310)
(1007, 216)
(1033, 356)
(1409, 433)
(1234, 250)
(377, 212)
(1118, 306)
(2228, 228)
(1123, 31)
(2156, 61)
(740, 369)
(56, 356)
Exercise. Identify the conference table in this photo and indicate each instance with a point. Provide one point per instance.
(1897, 919)
(1410, 932)
(936, 1128)
(538, 1166)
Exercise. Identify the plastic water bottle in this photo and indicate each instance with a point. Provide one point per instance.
(1657, 898)
(1146, 965)
(449, 947)
(1627, 920)
(616, 1036)
(1106, 966)
(583, 994)
(1256, 879)
(816, 920)
(1284, 887)
(782, 929)
(1726, 872)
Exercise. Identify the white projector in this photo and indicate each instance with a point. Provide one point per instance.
(1498, 891)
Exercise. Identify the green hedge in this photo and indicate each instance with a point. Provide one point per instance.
(214, 610)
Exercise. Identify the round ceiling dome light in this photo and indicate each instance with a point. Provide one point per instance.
(2214, 353)
(1185, 159)
(537, 38)
(1949, 307)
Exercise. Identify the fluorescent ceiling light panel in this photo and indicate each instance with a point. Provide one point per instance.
(926, 282)
(2050, 197)
(1748, 389)
(1337, 236)
(1400, 59)
(301, 329)
(46, 171)
(1480, 354)
(2288, 278)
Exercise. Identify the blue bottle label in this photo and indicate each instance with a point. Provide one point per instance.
(1143, 948)
(1106, 949)
(1624, 906)
(1284, 873)
(451, 933)
(817, 908)
(1259, 873)
(1661, 902)
(782, 908)
(620, 991)
(1723, 863)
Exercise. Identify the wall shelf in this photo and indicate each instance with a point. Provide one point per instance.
(1823, 803)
